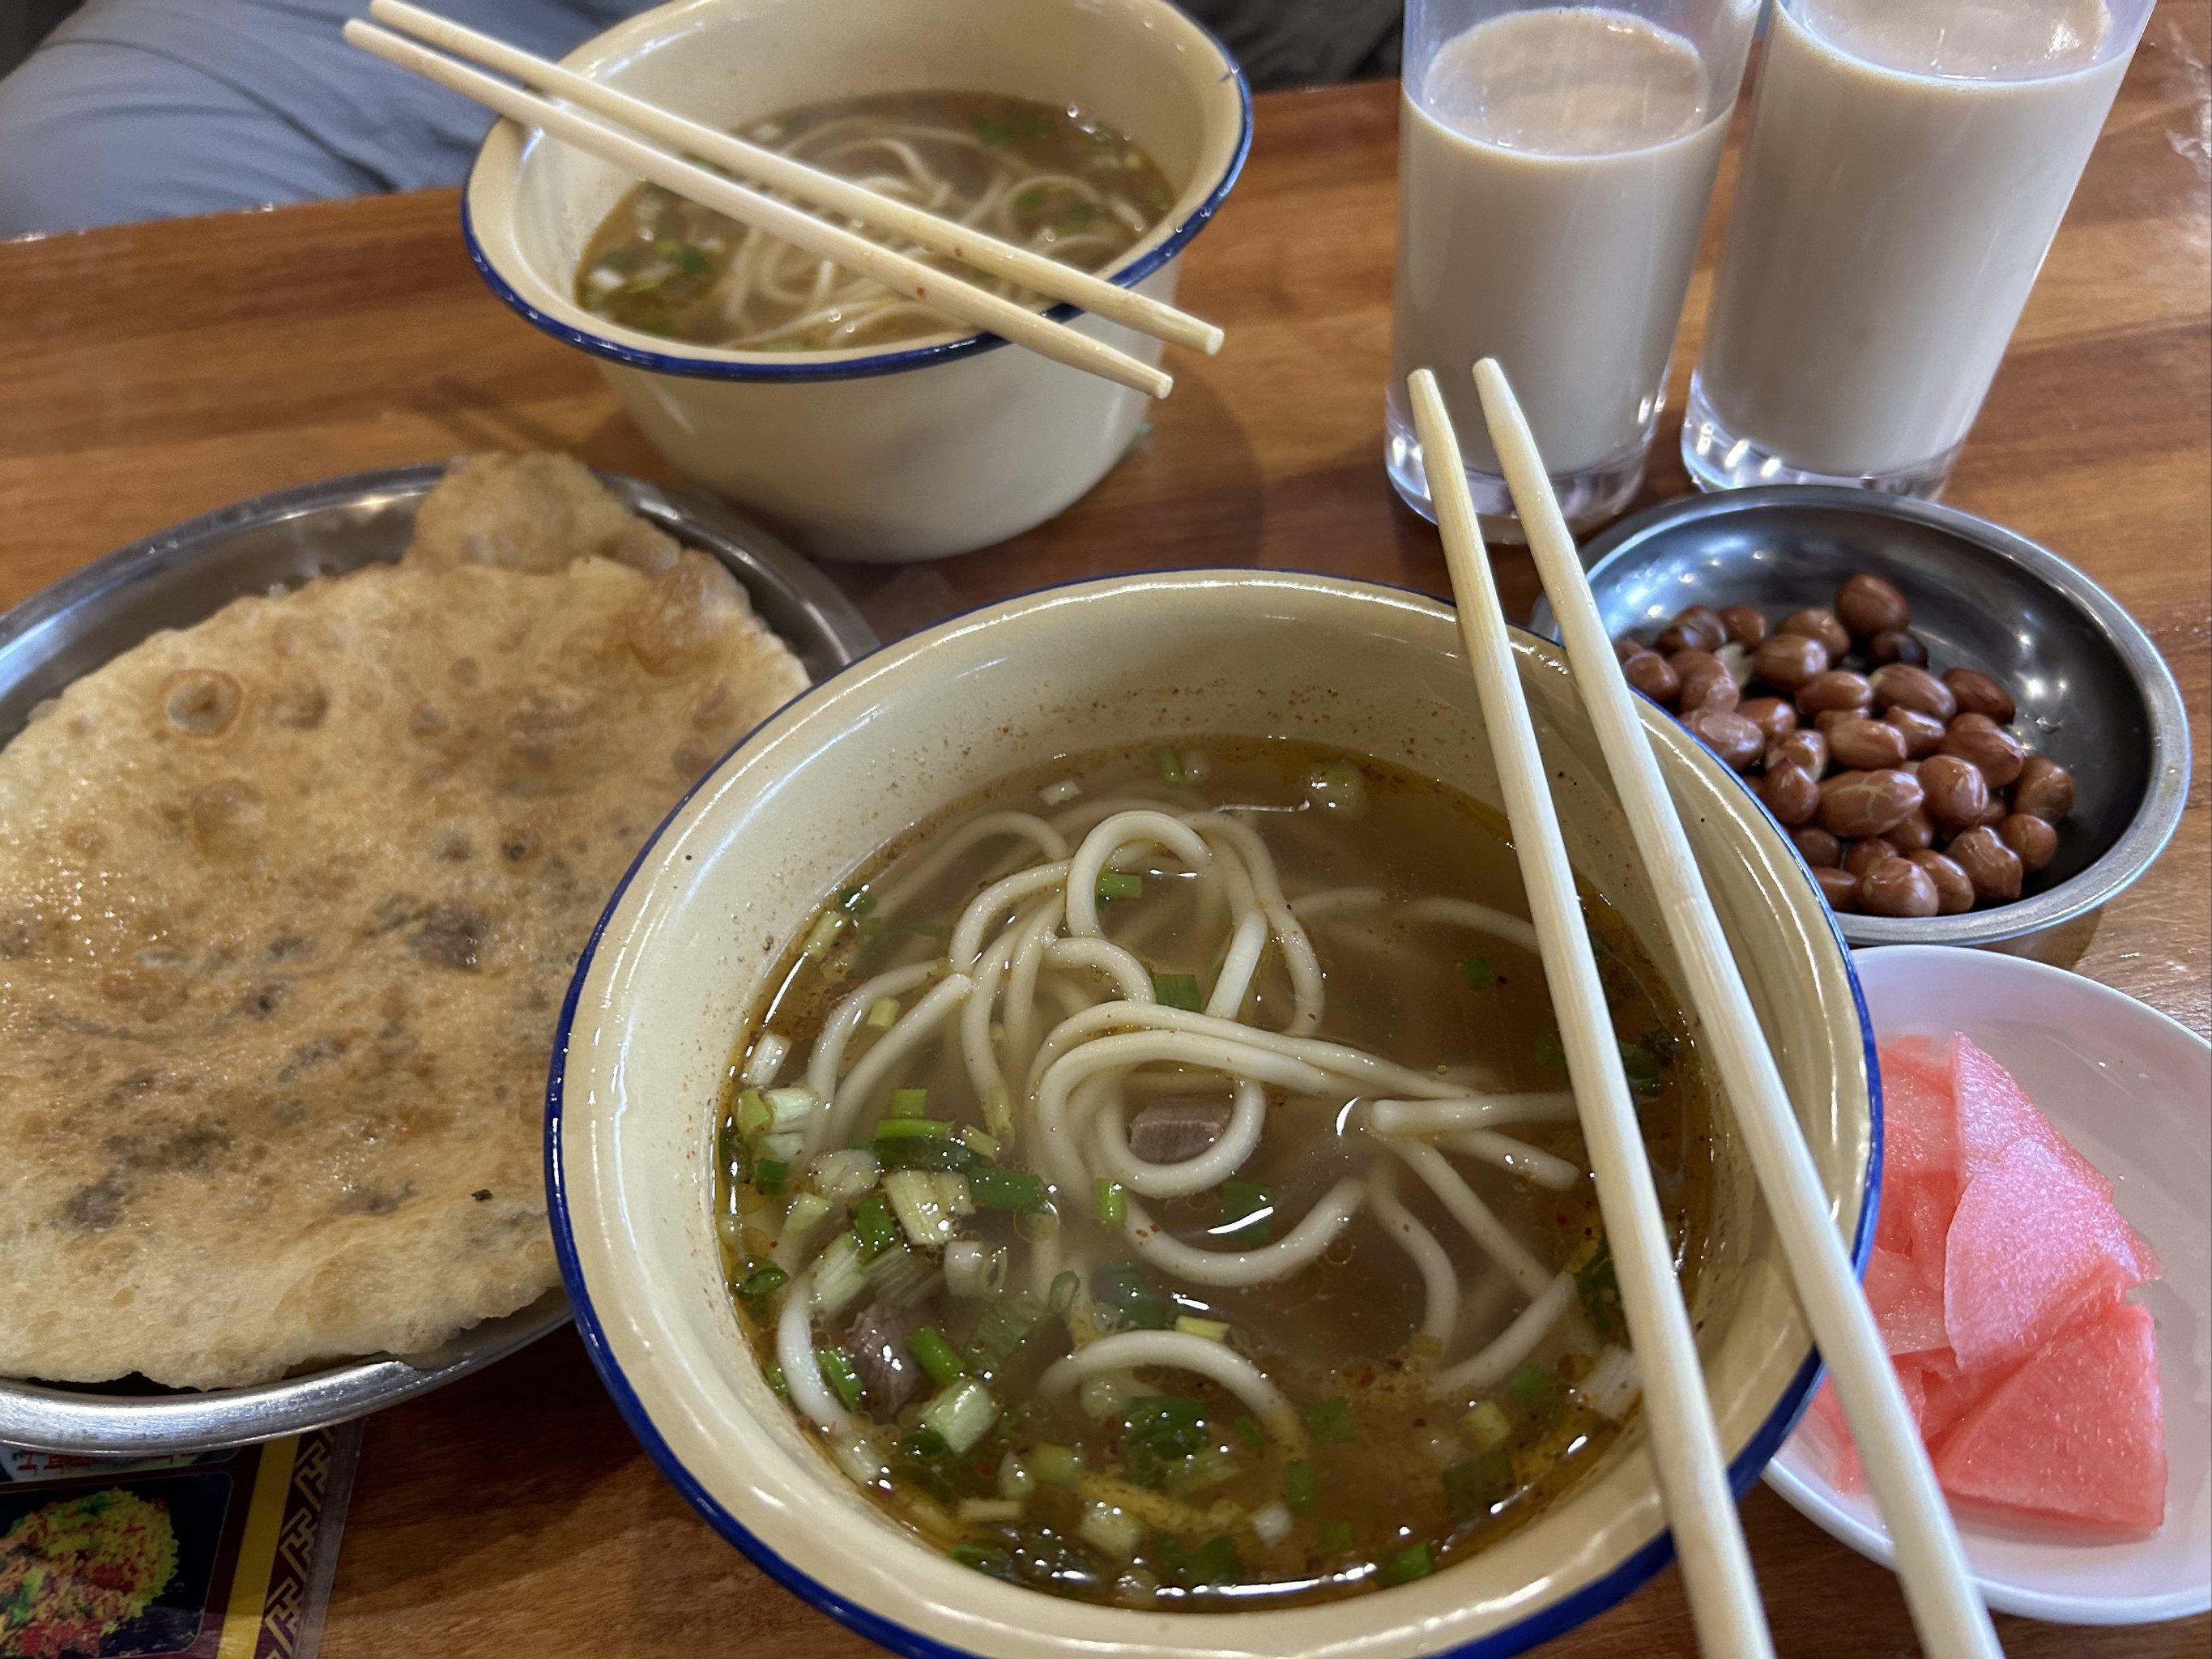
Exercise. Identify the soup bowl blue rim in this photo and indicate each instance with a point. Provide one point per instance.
(884, 363)
(1540, 1626)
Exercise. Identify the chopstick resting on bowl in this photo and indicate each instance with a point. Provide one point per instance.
(1685, 1448)
(1946, 1606)
(1033, 270)
(909, 277)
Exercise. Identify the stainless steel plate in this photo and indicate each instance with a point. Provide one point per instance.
(2092, 691)
(179, 576)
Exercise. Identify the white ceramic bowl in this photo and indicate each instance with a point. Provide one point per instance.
(741, 866)
(908, 453)
(2133, 1091)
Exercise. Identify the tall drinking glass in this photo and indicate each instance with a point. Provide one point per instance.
(1908, 164)
(1554, 165)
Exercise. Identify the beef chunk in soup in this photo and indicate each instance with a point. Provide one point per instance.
(1178, 1129)
(877, 1347)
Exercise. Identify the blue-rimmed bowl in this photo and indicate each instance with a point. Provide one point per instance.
(703, 917)
(907, 453)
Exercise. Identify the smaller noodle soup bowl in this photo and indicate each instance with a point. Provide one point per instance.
(910, 451)
(739, 871)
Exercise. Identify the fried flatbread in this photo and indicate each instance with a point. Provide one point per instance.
(287, 903)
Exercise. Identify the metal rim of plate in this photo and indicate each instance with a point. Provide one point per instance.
(181, 575)
(2157, 815)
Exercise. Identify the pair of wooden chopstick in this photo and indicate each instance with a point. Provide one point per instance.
(963, 301)
(1947, 1608)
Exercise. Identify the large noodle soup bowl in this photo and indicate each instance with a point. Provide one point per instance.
(741, 867)
(910, 451)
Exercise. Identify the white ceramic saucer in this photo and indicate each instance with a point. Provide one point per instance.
(2133, 1091)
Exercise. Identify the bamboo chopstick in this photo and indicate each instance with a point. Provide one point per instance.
(956, 299)
(764, 166)
(1685, 1447)
(1946, 1606)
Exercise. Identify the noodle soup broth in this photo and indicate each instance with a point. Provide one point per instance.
(1050, 180)
(1155, 1181)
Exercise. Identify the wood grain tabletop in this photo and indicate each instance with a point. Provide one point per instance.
(156, 371)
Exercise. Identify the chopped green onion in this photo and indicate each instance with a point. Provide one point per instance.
(838, 1371)
(1488, 1427)
(961, 1415)
(1336, 1538)
(914, 1201)
(1247, 1209)
(1122, 1287)
(1065, 1288)
(1302, 1486)
(999, 1112)
(874, 1224)
(808, 1212)
(1404, 1565)
(1115, 1531)
(1178, 991)
(1338, 786)
(790, 1107)
(825, 933)
(998, 1331)
(1642, 1067)
(994, 1189)
(840, 1276)
(976, 1142)
(762, 1281)
(1214, 1562)
(897, 1128)
(990, 1511)
(900, 1276)
(1329, 1421)
(753, 1114)
(1168, 765)
(773, 1373)
(1598, 1286)
(1534, 1390)
(1214, 1330)
(1163, 1433)
(935, 1355)
(729, 1150)
(882, 1014)
(937, 1153)
(1015, 1480)
(1055, 1465)
(1113, 1203)
(768, 1175)
(1473, 1488)
(843, 1174)
(1119, 884)
(983, 1559)
(1551, 1052)
(1248, 1431)
(1478, 972)
(856, 900)
(909, 1102)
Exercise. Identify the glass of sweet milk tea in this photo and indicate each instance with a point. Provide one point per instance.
(1553, 166)
(1908, 163)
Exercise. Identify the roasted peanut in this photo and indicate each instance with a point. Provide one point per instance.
(1866, 745)
(1694, 628)
(1957, 793)
(1915, 831)
(1898, 887)
(1818, 623)
(1861, 856)
(1654, 676)
(2043, 789)
(1977, 694)
(1895, 644)
(1727, 734)
(1791, 794)
(1817, 846)
(1839, 887)
(1802, 748)
(1900, 686)
(1923, 734)
(1772, 716)
(1626, 645)
(2032, 840)
(1992, 866)
(1955, 892)
(1869, 605)
(1745, 625)
(1837, 688)
(1978, 739)
(1857, 804)
(1786, 661)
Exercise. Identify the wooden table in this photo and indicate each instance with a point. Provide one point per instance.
(158, 371)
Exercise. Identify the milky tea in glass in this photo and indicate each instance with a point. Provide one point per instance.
(1554, 163)
(1908, 163)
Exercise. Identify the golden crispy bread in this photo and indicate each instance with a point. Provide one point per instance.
(289, 901)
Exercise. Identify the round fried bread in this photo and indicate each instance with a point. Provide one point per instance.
(287, 903)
